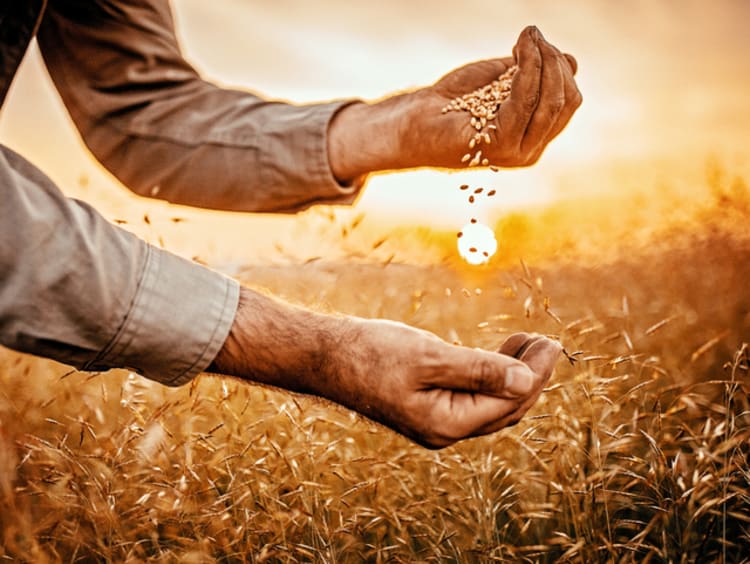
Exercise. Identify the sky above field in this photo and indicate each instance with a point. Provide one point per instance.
(660, 78)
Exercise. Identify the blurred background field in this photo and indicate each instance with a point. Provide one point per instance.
(638, 450)
(629, 241)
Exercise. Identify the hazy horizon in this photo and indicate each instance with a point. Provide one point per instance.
(660, 80)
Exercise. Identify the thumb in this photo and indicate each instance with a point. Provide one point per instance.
(519, 380)
(541, 356)
(484, 372)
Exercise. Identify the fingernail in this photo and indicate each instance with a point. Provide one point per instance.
(519, 380)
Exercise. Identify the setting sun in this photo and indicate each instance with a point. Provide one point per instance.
(476, 243)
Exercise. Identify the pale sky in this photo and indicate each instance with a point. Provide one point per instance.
(659, 78)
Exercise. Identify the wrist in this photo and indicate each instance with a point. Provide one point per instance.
(275, 343)
(367, 137)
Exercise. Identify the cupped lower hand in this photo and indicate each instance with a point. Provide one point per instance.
(408, 379)
(436, 393)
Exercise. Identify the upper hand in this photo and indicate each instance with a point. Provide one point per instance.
(410, 130)
(543, 98)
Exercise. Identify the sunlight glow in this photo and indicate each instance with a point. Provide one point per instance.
(476, 243)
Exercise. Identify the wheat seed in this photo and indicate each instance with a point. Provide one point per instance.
(483, 104)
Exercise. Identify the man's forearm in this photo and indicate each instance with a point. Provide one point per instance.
(278, 344)
(379, 136)
(366, 137)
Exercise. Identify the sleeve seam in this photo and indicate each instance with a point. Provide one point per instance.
(121, 328)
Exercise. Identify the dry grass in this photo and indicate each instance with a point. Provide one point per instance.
(638, 451)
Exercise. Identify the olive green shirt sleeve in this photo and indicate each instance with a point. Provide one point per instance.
(77, 289)
(161, 129)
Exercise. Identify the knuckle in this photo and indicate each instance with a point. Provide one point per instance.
(530, 101)
(571, 62)
(549, 111)
(531, 158)
(482, 374)
(556, 106)
(577, 98)
(520, 156)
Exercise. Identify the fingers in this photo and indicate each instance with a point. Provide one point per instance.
(512, 345)
(458, 414)
(541, 355)
(572, 63)
(571, 96)
(524, 92)
(517, 343)
(573, 101)
(551, 101)
(519, 370)
(543, 97)
(462, 392)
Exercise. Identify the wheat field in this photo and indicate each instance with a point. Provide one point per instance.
(636, 452)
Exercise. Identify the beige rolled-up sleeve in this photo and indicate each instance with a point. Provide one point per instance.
(77, 289)
(164, 132)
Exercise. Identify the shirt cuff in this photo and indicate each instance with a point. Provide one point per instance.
(179, 319)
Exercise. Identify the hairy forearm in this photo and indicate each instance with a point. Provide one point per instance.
(278, 344)
(368, 137)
